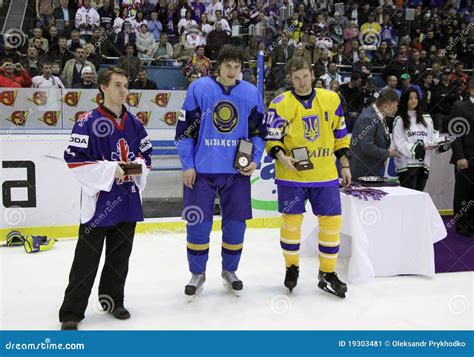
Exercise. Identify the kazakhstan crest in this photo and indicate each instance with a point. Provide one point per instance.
(224, 117)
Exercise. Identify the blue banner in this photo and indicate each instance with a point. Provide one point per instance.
(238, 343)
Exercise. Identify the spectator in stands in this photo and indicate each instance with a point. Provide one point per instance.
(354, 99)
(170, 24)
(10, 52)
(341, 58)
(336, 28)
(427, 90)
(205, 27)
(147, 8)
(75, 41)
(321, 65)
(331, 76)
(370, 143)
(62, 54)
(56, 69)
(44, 12)
(47, 80)
(186, 22)
(119, 20)
(181, 52)
(87, 79)
(430, 40)
(161, 8)
(387, 31)
(351, 33)
(142, 81)
(103, 45)
(198, 9)
(107, 17)
(198, 63)
(392, 82)
(212, 8)
(155, 26)
(38, 34)
(162, 50)
(295, 28)
(13, 75)
(130, 63)
(145, 42)
(72, 72)
(460, 79)
(251, 51)
(362, 66)
(444, 96)
(65, 16)
(395, 68)
(92, 55)
(86, 19)
(215, 40)
(383, 55)
(125, 37)
(415, 67)
(37, 45)
(138, 21)
(405, 84)
(31, 62)
(323, 41)
(52, 37)
(319, 83)
(225, 24)
(311, 51)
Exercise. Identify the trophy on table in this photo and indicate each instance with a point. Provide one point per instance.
(301, 155)
(131, 169)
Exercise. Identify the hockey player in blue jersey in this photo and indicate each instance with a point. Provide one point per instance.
(216, 114)
(101, 141)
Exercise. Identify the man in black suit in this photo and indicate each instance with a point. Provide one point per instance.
(462, 126)
(142, 81)
(65, 13)
(370, 142)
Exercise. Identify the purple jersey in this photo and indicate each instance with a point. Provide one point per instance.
(98, 140)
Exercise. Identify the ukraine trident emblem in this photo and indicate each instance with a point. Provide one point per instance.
(311, 128)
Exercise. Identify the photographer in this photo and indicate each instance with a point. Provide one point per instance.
(14, 75)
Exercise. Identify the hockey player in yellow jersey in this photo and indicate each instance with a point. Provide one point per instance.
(312, 119)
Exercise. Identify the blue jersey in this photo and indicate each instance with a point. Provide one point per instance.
(213, 119)
(98, 140)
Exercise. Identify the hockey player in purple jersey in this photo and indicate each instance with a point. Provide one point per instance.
(102, 141)
(216, 115)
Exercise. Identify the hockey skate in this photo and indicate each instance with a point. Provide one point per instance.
(330, 282)
(195, 286)
(291, 277)
(231, 282)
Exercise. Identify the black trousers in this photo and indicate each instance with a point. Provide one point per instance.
(463, 205)
(118, 247)
(414, 178)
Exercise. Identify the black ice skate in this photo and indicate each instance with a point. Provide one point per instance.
(330, 282)
(291, 277)
(231, 282)
(195, 286)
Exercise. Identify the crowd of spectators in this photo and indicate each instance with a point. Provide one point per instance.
(356, 47)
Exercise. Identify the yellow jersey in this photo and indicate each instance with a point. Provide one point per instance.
(317, 124)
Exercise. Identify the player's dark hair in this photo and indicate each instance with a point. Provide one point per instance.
(230, 53)
(297, 63)
(106, 75)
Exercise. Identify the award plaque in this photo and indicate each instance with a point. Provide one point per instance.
(132, 169)
(301, 155)
(244, 154)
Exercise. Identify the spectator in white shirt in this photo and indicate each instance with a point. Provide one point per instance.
(211, 10)
(86, 19)
(46, 80)
(186, 23)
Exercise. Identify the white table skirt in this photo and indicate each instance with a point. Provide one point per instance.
(389, 237)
